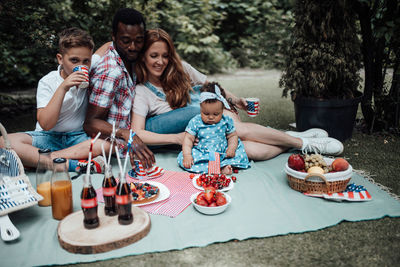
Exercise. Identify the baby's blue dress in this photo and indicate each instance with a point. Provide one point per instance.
(212, 137)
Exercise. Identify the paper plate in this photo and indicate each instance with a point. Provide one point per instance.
(164, 194)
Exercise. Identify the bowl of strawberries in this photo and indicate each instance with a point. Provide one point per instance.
(210, 201)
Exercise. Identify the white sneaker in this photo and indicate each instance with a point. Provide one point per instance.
(322, 145)
(310, 133)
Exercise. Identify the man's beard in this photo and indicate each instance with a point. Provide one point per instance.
(124, 56)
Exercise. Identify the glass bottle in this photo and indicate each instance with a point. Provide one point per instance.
(123, 198)
(89, 204)
(109, 187)
(61, 190)
(44, 171)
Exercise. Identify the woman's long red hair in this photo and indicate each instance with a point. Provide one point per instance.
(175, 82)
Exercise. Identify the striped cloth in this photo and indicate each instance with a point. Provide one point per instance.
(214, 163)
(348, 196)
(180, 187)
(19, 194)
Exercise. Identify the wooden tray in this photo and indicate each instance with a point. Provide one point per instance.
(110, 235)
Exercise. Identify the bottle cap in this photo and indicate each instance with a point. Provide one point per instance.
(45, 150)
(59, 160)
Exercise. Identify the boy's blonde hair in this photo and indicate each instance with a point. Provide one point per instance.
(74, 37)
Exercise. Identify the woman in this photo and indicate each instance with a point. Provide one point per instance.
(164, 91)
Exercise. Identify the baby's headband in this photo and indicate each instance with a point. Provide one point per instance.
(208, 95)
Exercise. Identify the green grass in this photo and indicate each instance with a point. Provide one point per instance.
(365, 243)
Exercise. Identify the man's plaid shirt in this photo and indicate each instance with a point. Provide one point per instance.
(111, 87)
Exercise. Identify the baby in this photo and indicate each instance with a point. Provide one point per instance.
(215, 132)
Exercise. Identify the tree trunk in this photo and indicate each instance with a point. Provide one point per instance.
(367, 48)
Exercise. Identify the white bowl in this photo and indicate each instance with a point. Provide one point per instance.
(211, 210)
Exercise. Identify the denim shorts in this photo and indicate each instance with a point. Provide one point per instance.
(174, 121)
(56, 140)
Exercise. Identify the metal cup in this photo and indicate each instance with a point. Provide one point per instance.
(85, 70)
(253, 106)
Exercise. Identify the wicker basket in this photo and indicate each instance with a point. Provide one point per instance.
(13, 175)
(317, 183)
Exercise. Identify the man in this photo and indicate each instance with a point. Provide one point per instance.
(113, 81)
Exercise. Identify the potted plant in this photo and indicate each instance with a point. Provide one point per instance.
(322, 67)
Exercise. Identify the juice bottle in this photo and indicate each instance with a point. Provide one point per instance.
(109, 187)
(123, 198)
(44, 172)
(61, 190)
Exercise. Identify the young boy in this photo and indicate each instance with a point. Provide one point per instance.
(61, 108)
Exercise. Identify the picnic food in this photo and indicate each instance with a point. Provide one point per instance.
(143, 192)
(296, 162)
(312, 160)
(340, 164)
(315, 169)
(210, 198)
(307, 162)
(316, 181)
(218, 181)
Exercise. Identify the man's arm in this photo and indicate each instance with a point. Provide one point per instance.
(96, 121)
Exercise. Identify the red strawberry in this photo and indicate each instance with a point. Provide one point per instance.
(198, 181)
(209, 196)
(213, 204)
(221, 200)
(202, 202)
(192, 175)
(209, 193)
(200, 197)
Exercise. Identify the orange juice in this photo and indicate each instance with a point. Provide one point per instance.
(44, 190)
(61, 198)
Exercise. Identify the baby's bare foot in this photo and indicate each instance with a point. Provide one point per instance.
(227, 169)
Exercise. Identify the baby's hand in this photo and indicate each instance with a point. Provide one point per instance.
(187, 161)
(74, 79)
(230, 153)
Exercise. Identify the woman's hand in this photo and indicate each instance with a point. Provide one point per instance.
(187, 161)
(180, 137)
(240, 103)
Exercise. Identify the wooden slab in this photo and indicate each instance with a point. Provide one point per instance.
(75, 238)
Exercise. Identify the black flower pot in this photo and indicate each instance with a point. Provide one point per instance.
(336, 116)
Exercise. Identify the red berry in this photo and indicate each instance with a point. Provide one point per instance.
(234, 178)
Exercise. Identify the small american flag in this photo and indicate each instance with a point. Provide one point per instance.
(214, 164)
(252, 108)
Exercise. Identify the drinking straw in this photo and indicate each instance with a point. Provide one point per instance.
(104, 154)
(119, 160)
(90, 154)
(97, 136)
(112, 144)
(129, 147)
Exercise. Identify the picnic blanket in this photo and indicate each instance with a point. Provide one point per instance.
(262, 205)
(180, 187)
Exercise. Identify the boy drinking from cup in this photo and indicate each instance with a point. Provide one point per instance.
(61, 104)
